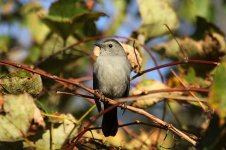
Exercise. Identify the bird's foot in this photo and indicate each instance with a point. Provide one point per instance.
(101, 95)
(123, 108)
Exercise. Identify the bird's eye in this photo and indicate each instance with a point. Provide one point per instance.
(110, 45)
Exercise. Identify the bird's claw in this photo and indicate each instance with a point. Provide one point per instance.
(101, 97)
(123, 108)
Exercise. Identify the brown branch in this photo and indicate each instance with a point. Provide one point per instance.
(133, 109)
(175, 63)
(82, 79)
(75, 94)
(174, 98)
(179, 90)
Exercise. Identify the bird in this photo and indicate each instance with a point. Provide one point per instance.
(111, 77)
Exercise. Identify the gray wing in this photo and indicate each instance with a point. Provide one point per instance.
(96, 87)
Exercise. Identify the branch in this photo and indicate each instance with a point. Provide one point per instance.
(176, 63)
(133, 109)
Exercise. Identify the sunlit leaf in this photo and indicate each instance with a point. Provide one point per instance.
(64, 131)
(154, 15)
(38, 29)
(34, 54)
(190, 9)
(190, 76)
(20, 82)
(211, 46)
(16, 120)
(156, 137)
(217, 98)
(152, 98)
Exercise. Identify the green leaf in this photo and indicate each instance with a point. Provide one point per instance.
(60, 133)
(34, 54)
(20, 82)
(190, 76)
(66, 16)
(149, 100)
(4, 43)
(23, 74)
(217, 98)
(38, 29)
(171, 49)
(154, 15)
(19, 111)
(193, 8)
(66, 61)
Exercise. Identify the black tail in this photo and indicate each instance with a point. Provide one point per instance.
(110, 121)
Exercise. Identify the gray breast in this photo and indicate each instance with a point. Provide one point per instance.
(112, 75)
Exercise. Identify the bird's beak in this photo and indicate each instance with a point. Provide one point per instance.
(98, 45)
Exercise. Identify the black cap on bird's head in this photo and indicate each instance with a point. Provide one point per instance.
(110, 47)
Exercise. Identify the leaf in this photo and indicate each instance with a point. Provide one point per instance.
(19, 111)
(34, 55)
(154, 15)
(156, 137)
(190, 76)
(23, 74)
(60, 134)
(190, 9)
(217, 97)
(203, 26)
(20, 82)
(150, 99)
(39, 30)
(66, 16)
(4, 43)
(212, 46)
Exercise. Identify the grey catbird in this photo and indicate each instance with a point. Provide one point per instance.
(111, 77)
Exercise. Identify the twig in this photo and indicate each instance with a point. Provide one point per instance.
(174, 115)
(134, 49)
(75, 94)
(89, 98)
(86, 114)
(175, 63)
(149, 96)
(181, 48)
(186, 86)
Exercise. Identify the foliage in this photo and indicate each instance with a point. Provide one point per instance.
(42, 106)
